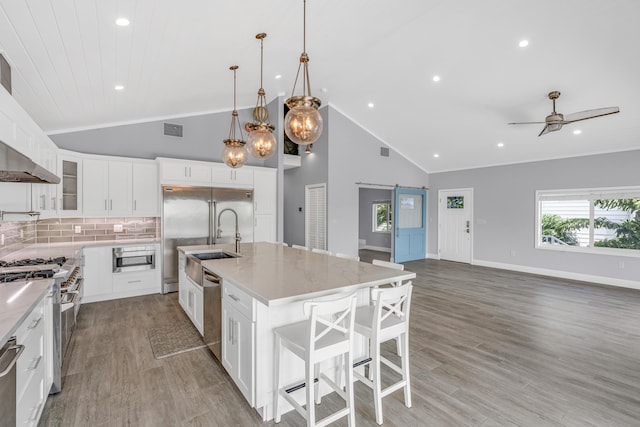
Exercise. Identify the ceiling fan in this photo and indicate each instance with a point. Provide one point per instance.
(554, 121)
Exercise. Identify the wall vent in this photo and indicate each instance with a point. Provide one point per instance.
(173, 130)
(384, 151)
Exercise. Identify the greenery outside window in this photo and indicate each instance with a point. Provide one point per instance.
(382, 217)
(597, 220)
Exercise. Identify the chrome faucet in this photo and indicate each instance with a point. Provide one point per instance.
(219, 232)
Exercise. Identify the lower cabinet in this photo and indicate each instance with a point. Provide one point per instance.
(238, 338)
(31, 393)
(195, 299)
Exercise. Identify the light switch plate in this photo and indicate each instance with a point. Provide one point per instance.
(77, 229)
(117, 228)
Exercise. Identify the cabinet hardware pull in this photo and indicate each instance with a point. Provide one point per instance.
(34, 413)
(135, 205)
(34, 363)
(34, 323)
(19, 349)
(53, 203)
(189, 171)
(134, 281)
(61, 204)
(233, 297)
(42, 196)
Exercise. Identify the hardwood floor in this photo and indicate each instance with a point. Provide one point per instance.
(488, 347)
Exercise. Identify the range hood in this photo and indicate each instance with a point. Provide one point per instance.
(16, 167)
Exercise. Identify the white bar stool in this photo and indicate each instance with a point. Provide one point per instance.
(347, 256)
(388, 264)
(320, 251)
(328, 333)
(304, 248)
(387, 319)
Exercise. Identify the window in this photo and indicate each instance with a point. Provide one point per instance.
(597, 220)
(382, 217)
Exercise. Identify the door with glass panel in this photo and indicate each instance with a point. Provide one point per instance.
(409, 224)
(454, 224)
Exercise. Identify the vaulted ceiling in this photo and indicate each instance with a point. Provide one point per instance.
(173, 58)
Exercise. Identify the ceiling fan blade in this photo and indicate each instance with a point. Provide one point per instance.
(545, 130)
(589, 114)
(526, 123)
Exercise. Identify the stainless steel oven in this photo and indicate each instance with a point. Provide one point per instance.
(134, 258)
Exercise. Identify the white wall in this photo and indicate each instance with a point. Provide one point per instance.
(504, 214)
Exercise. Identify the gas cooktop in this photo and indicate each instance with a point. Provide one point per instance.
(33, 261)
(26, 275)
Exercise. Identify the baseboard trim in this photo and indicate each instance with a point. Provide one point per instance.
(376, 248)
(602, 280)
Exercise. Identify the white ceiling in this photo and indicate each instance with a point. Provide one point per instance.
(173, 60)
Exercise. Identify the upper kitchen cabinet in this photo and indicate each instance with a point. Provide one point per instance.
(145, 189)
(69, 200)
(44, 197)
(224, 176)
(107, 187)
(187, 172)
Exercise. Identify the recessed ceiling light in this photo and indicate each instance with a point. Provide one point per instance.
(122, 22)
(118, 87)
(500, 144)
(436, 155)
(371, 105)
(577, 132)
(436, 78)
(523, 43)
(278, 76)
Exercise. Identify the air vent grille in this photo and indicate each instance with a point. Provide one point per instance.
(173, 130)
(384, 151)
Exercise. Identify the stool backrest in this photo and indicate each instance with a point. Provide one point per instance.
(304, 248)
(390, 302)
(388, 264)
(347, 256)
(330, 316)
(320, 251)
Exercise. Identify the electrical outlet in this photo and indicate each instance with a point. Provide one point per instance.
(512, 253)
(620, 264)
(2, 239)
(77, 229)
(117, 228)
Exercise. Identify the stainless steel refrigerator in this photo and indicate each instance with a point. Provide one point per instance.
(192, 215)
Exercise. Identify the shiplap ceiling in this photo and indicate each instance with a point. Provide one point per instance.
(173, 60)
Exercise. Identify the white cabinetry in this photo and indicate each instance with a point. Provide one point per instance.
(145, 189)
(238, 338)
(107, 188)
(44, 197)
(30, 368)
(69, 201)
(264, 203)
(224, 176)
(190, 295)
(97, 272)
(182, 281)
(185, 172)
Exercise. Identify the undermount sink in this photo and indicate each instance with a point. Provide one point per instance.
(214, 255)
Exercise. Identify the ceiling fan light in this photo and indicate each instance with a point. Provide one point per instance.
(303, 123)
(552, 127)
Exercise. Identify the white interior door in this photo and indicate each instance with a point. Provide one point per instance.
(455, 231)
(315, 216)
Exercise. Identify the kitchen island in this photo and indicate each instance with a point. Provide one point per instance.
(264, 288)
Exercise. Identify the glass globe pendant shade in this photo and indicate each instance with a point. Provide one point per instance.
(303, 123)
(261, 143)
(234, 153)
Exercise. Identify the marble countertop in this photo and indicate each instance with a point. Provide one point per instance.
(17, 300)
(275, 274)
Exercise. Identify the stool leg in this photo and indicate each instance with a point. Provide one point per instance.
(377, 386)
(316, 374)
(370, 353)
(276, 379)
(404, 338)
(310, 388)
(399, 346)
(348, 366)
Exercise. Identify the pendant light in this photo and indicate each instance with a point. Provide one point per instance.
(234, 153)
(303, 122)
(261, 143)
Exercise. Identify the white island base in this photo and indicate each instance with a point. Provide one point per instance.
(265, 288)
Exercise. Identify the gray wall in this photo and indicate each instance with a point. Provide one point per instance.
(313, 170)
(354, 156)
(367, 197)
(202, 138)
(504, 210)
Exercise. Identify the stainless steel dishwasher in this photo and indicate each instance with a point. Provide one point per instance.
(212, 314)
(9, 355)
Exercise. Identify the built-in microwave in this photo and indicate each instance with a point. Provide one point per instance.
(134, 258)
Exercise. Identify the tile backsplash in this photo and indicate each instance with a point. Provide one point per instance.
(16, 235)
